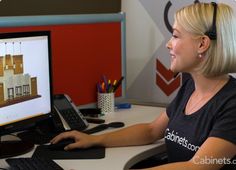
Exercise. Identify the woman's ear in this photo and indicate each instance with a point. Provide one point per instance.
(204, 44)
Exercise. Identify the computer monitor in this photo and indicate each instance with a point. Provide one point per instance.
(25, 85)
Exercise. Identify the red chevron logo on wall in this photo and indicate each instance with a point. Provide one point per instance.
(165, 79)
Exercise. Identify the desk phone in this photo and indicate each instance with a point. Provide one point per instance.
(66, 115)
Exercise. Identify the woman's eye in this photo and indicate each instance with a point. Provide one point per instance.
(174, 36)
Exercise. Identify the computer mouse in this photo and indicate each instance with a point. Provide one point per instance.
(116, 124)
(61, 144)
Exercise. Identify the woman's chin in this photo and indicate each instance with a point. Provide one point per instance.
(173, 69)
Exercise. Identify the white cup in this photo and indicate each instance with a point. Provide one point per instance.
(105, 101)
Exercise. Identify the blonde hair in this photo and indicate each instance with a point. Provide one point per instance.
(221, 55)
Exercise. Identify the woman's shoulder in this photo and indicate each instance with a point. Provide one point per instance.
(227, 95)
(232, 79)
(230, 86)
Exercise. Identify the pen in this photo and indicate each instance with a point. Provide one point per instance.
(106, 83)
(99, 89)
(109, 86)
(118, 84)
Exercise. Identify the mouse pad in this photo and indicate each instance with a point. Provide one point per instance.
(90, 153)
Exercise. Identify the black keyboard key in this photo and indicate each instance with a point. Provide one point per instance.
(34, 163)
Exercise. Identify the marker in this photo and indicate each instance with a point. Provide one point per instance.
(118, 84)
(103, 87)
(114, 83)
(106, 83)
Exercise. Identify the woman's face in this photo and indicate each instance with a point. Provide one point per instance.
(183, 50)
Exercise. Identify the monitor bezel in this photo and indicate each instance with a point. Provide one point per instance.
(27, 123)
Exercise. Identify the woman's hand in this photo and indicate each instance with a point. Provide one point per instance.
(82, 140)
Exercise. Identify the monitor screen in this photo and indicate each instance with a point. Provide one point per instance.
(25, 79)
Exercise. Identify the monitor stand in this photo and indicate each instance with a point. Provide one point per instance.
(14, 148)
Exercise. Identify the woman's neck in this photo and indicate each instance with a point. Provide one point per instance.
(204, 84)
(205, 89)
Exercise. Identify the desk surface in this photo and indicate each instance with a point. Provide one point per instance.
(117, 158)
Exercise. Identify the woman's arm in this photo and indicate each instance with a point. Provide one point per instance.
(212, 155)
(139, 134)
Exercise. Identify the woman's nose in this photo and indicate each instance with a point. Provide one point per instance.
(168, 44)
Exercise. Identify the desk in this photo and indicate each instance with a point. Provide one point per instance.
(118, 158)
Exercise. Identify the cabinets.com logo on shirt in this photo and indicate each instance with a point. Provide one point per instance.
(174, 137)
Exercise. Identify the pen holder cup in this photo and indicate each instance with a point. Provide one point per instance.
(105, 102)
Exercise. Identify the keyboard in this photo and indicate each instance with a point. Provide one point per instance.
(34, 163)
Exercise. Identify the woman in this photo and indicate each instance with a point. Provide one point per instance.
(200, 123)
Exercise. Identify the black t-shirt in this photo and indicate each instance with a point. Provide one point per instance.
(217, 118)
